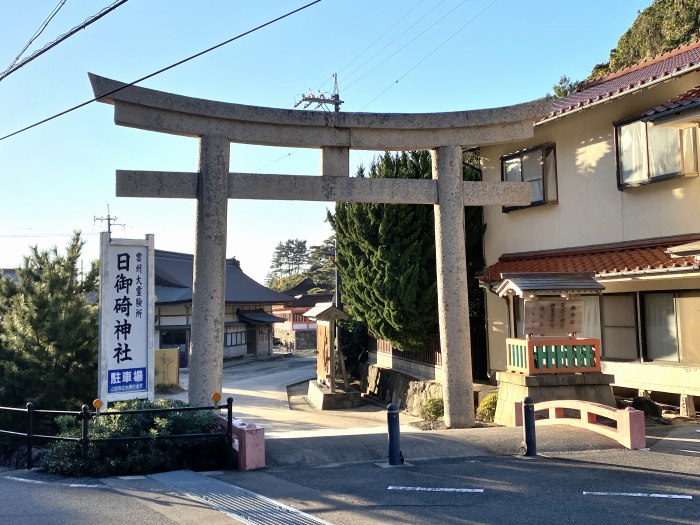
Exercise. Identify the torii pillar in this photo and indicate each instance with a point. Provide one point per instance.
(217, 124)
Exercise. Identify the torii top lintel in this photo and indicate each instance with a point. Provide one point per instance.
(170, 113)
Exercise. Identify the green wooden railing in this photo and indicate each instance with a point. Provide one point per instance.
(552, 356)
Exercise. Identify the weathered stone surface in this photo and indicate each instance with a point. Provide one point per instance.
(390, 386)
(513, 387)
(321, 397)
(166, 112)
(335, 162)
(418, 393)
(296, 339)
(209, 286)
(453, 300)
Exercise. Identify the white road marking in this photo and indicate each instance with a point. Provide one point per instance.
(72, 485)
(24, 480)
(435, 489)
(638, 495)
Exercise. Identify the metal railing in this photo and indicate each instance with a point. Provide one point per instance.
(86, 415)
(553, 356)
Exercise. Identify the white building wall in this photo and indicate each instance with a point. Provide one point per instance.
(591, 210)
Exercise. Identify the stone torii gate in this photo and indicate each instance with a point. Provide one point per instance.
(218, 124)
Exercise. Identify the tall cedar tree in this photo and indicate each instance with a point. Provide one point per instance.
(386, 258)
(48, 331)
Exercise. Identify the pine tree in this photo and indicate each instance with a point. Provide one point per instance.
(288, 263)
(48, 334)
(321, 268)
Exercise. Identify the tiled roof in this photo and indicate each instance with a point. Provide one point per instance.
(661, 67)
(173, 282)
(687, 100)
(605, 261)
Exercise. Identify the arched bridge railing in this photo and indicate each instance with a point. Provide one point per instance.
(626, 426)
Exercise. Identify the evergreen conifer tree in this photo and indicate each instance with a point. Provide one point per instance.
(386, 259)
(48, 334)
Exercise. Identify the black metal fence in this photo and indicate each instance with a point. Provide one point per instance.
(86, 415)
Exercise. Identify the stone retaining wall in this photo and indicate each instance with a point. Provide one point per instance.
(391, 386)
(297, 339)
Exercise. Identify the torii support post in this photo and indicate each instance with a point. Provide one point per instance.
(453, 300)
(209, 280)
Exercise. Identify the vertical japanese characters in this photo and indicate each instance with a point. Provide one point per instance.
(127, 310)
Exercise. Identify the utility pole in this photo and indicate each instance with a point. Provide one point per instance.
(322, 99)
(111, 221)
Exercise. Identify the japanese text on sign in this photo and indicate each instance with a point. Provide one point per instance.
(124, 337)
(554, 317)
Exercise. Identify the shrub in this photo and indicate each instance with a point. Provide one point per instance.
(433, 409)
(138, 457)
(487, 408)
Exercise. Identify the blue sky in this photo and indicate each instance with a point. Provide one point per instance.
(447, 55)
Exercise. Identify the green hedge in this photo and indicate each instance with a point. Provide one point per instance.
(138, 457)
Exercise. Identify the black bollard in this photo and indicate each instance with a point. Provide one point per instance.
(392, 416)
(529, 446)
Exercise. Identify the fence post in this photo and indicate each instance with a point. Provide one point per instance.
(30, 412)
(229, 432)
(85, 415)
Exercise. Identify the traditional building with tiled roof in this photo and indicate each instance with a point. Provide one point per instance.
(613, 171)
(248, 322)
(297, 332)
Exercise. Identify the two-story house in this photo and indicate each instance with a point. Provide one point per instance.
(613, 171)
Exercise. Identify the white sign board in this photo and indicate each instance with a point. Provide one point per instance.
(557, 317)
(126, 365)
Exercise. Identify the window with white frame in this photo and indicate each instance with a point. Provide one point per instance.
(648, 153)
(536, 166)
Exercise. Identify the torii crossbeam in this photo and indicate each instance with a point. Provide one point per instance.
(218, 124)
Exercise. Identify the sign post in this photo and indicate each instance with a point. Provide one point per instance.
(126, 347)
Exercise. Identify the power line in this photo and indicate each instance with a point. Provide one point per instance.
(430, 54)
(408, 43)
(386, 31)
(167, 68)
(38, 32)
(63, 37)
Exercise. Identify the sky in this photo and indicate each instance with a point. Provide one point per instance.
(401, 56)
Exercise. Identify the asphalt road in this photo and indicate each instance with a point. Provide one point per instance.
(29, 498)
(489, 489)
(459, 476)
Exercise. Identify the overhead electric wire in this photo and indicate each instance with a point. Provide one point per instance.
(430, 54)
(37, 33)
(162, 70)
(408, 43)
(432, 9)
(384, 33)
(63, 37)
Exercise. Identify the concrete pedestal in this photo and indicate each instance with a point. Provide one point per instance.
(321, 397)
(513, 387)
(249, 443)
